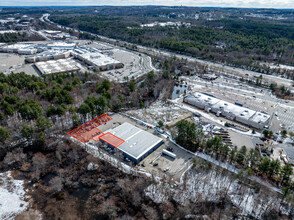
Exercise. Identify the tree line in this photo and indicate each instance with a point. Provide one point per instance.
(191, 138)
(232, 43)
(78, 96)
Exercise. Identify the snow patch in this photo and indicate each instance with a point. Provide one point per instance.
(12, 196)
(157, 111)
(157, 192)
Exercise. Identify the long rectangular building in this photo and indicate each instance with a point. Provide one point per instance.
(100, 61)
(229, 110)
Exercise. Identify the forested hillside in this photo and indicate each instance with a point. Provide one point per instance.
(239, 42)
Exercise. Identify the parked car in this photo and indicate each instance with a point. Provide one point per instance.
(155, 164)
(165, 169)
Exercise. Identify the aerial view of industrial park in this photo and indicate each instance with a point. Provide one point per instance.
(173, 110)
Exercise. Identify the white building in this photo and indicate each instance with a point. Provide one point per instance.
(27, 51)
(22, 48)
(57, 66)
(228, 110)
(201, 101)
(48, 55)
(97, 60)
(135, 143)
(63, 50)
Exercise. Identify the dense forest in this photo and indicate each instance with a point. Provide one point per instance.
(66, 182)
(32, 100)
(239, 42)
(13, 37)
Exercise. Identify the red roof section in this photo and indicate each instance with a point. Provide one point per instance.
(89, 130)
(112, 139)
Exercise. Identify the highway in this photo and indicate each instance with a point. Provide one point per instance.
(215, 66)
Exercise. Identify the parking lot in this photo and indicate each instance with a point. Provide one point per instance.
(10, 62)
(285, 117)
(166, 164)
(249, 96)
(135, 64)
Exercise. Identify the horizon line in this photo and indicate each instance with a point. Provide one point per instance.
(224, 7)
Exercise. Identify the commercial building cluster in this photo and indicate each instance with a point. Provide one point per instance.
(62, 53)
(234, 112)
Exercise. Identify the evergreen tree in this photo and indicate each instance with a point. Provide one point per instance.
(4, 134)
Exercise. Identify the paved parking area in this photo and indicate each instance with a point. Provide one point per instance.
(15, 63)
(175, 166)
(135, 64)
(250, 96)
(240, 140)
(285, 117)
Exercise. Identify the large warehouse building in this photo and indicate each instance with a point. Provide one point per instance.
(48, 55)
(135, 143)
(98, 60)
(231, 111)
(57, 66)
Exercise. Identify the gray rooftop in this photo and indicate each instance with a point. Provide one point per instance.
(240, 111)
(137, 141)
(57, 66)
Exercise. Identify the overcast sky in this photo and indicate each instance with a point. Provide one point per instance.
(200, 3)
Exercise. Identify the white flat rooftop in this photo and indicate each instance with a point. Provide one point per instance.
(61, 44)
(203, 98)
(57, 66)
(137, 141)
(17, 46)
(260, 117)
(99, 59)
(237, 110)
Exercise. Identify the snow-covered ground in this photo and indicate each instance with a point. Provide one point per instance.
(213, 185)
(13, 200)
(278, 66)
(164, 24)
(179, 90)
(159, 110)
(98, 153)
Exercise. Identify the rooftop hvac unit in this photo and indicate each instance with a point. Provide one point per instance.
(168, 153)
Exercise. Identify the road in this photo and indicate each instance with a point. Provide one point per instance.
(40, 33)
(285, 111)
(162, 53)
